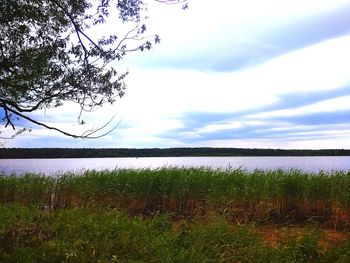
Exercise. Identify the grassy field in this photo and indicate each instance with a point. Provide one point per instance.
(176, 215)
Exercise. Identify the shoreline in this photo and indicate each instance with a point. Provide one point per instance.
(30, 153)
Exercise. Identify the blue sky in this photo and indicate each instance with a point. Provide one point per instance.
(254, 74)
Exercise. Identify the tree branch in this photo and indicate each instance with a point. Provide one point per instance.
(39, 70)
(171, 2)
(85, 135)
(33, 108)
(8, 119)
(78, 31)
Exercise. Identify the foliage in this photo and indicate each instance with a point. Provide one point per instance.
(48, 57)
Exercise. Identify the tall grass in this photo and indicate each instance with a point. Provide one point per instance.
(82, 235)
(241, 196)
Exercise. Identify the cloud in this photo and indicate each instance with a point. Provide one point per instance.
(294, 117)
(311, 127)
(297, 99)
(271, 100)
(229, 73)
(246, 42)
(318, 118)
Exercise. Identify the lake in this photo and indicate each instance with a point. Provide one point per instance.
(54, 166)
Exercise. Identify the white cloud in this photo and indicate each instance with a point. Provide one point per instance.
(332, 105)
(210, 27)
(205, 19)
(313, 140)
(154, 93)
(158, 99)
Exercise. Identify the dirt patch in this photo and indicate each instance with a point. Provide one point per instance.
(277, 235)
(332, 238)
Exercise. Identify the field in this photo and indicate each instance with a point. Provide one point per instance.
(176, 215)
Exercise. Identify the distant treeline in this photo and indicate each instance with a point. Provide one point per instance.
(158, 152)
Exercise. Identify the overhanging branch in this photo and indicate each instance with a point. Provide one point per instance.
(86, 135)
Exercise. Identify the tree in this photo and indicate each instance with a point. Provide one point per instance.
(47, 56)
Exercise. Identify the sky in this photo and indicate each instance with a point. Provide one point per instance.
(228, 73)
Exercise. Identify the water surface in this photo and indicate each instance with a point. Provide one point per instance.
(54, 166)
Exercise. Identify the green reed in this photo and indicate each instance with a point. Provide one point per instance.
(272, 195)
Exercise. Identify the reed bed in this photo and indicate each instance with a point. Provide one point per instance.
(276, 196)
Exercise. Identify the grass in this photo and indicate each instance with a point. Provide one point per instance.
(176, 215)
(81, 235)
(266, 196)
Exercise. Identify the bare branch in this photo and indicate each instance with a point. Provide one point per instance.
(18, 132)
(82, 136)
(171, 2)
(8, 119)
(93, 131)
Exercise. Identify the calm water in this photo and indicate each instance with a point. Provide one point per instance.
(53, 166)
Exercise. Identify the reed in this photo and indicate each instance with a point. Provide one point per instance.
(241, 196)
